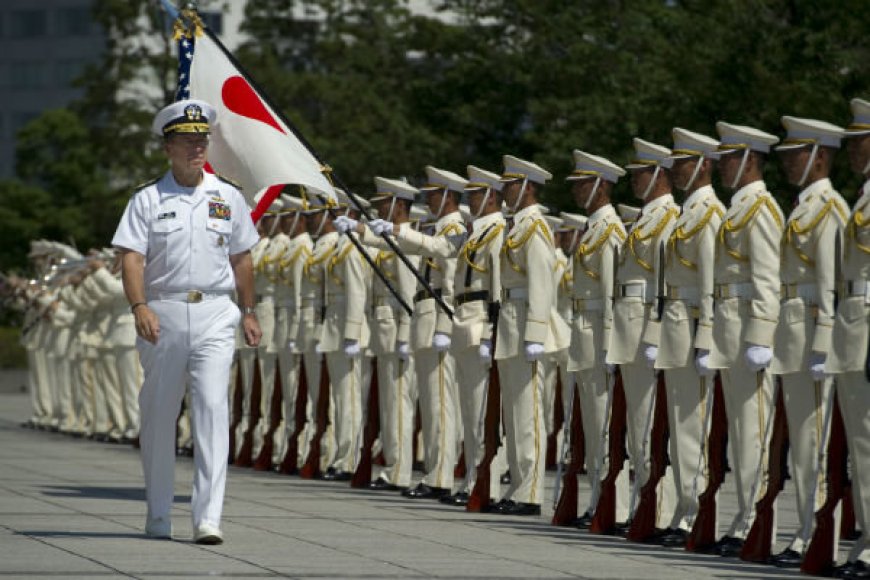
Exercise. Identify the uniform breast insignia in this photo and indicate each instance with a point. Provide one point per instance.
(220, 241)
(219, 211)
(167, 215)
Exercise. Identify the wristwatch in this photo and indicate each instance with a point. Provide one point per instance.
(246, 310)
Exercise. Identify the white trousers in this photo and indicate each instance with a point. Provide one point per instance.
(196, 340)
(346, 382)
(396, 406)
(853, 392)
(288, 367)
(438, 415)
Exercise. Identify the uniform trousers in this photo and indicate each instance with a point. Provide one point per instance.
(34, 360)
(435, 378)
(805, 406)
(44, 398)
(750, 406)
(396, 406)
(110, 383)
(473, 384)
(313, 360)
(267, 360)
(196, 340)
(346, 381)
(289, 369)
(246, 361)
(83, 386)
(853, 392)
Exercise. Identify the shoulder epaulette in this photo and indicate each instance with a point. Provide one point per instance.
(145, 184)
(228, 181)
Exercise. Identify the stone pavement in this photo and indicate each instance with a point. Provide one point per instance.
(72, 508)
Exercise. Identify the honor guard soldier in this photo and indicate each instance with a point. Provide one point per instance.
(746, 307)
(635, 310)
(595, 260)
(525, 334)
(685, 332)
(186, 241)
(803, 334)
(391, 336)
(849, 355)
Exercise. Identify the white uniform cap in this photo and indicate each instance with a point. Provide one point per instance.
(690, 144)
(573, 221)
(419, 213)
(393, 188)
(292, 204)
(648, 154)
(543, 209)
(481, 178)
(68, 252)
(38, 248)
(466, 212)
(275, 207)
(515, 168)
(802, 132)
(739, 137)
(554, 222)
(628, 213)
(187, 116)
(345, 200)
(588, 165)
(860, 118)
(437, 179)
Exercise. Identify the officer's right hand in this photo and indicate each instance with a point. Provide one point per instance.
(403, 350)
(484, 351)
(380, 227)
(758, 357)
(345, 224)
(147, 324)
(651, 353)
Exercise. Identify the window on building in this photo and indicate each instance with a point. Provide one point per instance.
(28, 23)
(20, 119)
(214, 20)
(27, 75)
(74, 22)
(68, 71)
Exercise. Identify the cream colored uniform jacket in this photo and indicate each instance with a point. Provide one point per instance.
(257, 253)
(747, 254)
(271, 269)
(562, 299)
(347, 284)
(849, 352)
(635, 317)
(293, 266)
(528, 259)
(121, 332)
(439, 260)
(807, 266)
(391, 324)
(689, 266)
(478, 270)
(313, 289)
(593, 288)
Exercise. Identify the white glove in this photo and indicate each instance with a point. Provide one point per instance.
(345, 224)
(379, 227)
(758, 357)
(817, 366)
(291, 345)
(351, 348)
(611, 368)
(440, 341)
(651, 353)
(534, 351)
(403, 351)
(485, 351)
(702, 363)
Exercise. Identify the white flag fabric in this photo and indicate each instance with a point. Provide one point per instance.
(250, 144)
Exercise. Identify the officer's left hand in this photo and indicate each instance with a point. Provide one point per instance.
(440, 341)
(345, 224)
(380, 227)
(351, 348)
(702, 363)
(817, 366)
(251, 328)
(534, 351)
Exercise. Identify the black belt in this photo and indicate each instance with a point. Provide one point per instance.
(472, 297)
(425, 294)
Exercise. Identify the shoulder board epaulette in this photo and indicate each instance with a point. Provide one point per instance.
(145, 184)
(229, 181)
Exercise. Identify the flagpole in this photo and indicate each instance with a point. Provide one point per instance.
(390, 242)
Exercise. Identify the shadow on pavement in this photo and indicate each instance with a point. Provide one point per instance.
(98, 492)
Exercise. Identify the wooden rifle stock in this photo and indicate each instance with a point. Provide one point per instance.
(311, 468)
(604, 518)
(703, 534)
(643, 525)
(236, 411)
(244, 459)
(362, 476)
(264, 459)
(566, 508)
(478, 499)
(558, 420)
(820, 558)
(290, 464)
(757, 546)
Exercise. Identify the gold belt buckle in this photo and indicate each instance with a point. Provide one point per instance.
(194, 296)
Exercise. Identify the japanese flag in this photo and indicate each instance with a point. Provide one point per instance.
(250, 144)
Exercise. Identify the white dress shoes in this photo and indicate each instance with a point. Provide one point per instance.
(208, 535)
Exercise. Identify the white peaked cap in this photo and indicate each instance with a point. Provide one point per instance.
(555, 222)
(860, 124)
(466, 212)
(515, 168)
(393, 188)
(735, 137)
(648, 154)
(628, 213)
(588, 165)
(574, 221)
(441, 178)
(344, 199)
(187, 116)
(420, 213)
(802, 132)
(690, 144)
(481, 178)
(292, 203)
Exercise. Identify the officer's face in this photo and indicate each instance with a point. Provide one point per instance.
(382, 207)
(729, 165)
(187, 150)
(794, 161)
(640, 179)
(312, 221)
(511, 192)
(858, 149)
(582, 189)
(682, 171)
(476, 200)
(433, 200)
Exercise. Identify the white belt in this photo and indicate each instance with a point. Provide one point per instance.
(515, 293)
(858, 288)
(634, 290)
(587, 304)
(807, 292)
(190, 296)
(687, 293)
(735, 290)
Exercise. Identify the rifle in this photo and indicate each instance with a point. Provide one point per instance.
(758, 542)
(235, 409)
(565, 510)
(362, 476)
(244, 459)
(290, 464)
(703, 534)
(558, 421)
(311, 468)
(604, 518)
(820, 558)
(264, 459)
(643, 524)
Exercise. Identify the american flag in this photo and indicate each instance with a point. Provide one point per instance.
(185, 57)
